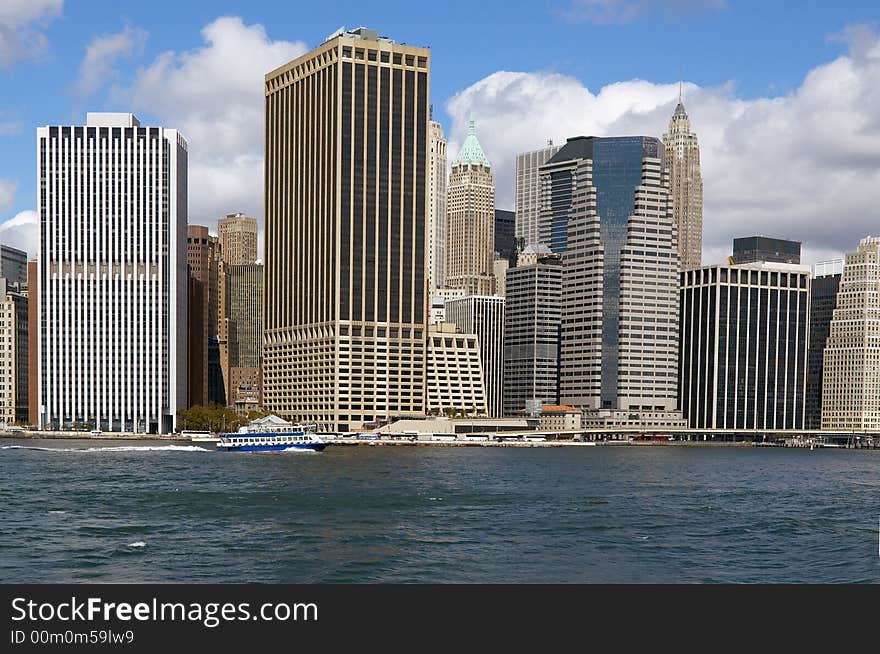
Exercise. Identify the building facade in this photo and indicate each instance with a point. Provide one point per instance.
(436, 222)
(532, 323)
(527, 198)
(484, 316)
(470, 220)
(346, 170)
(744, 344)
(13, 352)
(506, 245)
(823, 300)
(757, 249)
(203, 258)
(606, 209)
(13, 265)
(237, 239)
(241, 302)
(685, 186)
(851, 371)
(112, 275)
(455, 382)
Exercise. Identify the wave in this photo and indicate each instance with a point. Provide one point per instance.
(139, 543)
(122, 448)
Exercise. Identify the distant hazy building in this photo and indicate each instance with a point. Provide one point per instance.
(823, 301)
(112, 275)
(685, 186)
(484, 316)
(851, 374)
(435, 225)
(13, 352)
(756, 249)
(203, 258)
(13, 265)
(528, 192)
(606, 209)
(454, 372)
(744, 346)
(532, 320)
(346, 168)
(505, 236)
(237, 236)
(470, 220)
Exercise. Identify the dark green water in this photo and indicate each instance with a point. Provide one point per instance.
(74, 511)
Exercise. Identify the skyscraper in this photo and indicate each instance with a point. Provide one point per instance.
(685, 186)
(505, 236)
(13, 352)
(744, 341)
(532, 320)
(851, 374)
(203, 259)
(528, 192)
(112, 275)
(436, 223)
(823, 301)
(346, 172)
(241, 302)
(484, 316)
(755, 249)
(606, 209)
(470, 220)
(13, 265)
(237, 236)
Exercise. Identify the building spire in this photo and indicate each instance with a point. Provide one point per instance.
(471, 151)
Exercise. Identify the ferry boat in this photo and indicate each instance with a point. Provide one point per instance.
(271, 434)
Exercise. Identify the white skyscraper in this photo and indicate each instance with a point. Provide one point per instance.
(528, 192)
(436, 222)
(112, 275)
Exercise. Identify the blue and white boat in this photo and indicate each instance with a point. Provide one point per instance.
(271, 434)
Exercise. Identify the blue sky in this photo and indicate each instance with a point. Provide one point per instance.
(744, 53)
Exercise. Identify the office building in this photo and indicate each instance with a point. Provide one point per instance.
(527, 209)
(112, 275)
(532, 322)
(823, 300)
(241, 307)
(455, 383)
(682, 164)
(744, 346)
(13, 265)
(346, 172)
(756, 249)
(196, 341)
(237, 239)
(499, 272)
(436, 221)
(203, 258)
(470, 220)
(13, 352)
(606, 209)
(484, 316)
(505, 236)
(851, 372)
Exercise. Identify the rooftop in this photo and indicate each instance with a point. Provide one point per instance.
(471, 151)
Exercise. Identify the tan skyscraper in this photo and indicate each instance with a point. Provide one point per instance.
(237, 234)
(436, 225)
(470, 220)
(851, 371)
(685, 187)
(346, 200)
(203, 259)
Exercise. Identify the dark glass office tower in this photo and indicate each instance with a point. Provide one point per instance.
(606, 209)
(823, 300)
(755, 249)
(345, 184)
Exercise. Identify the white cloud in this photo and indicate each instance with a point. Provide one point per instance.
(7, 192)
(214, 96)
(804, 166)
(102, 53)
(603, 12)
(21, 28)
(22, 231)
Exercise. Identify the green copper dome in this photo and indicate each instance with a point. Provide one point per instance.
(471, 152)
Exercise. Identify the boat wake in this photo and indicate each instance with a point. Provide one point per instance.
(122, 448)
